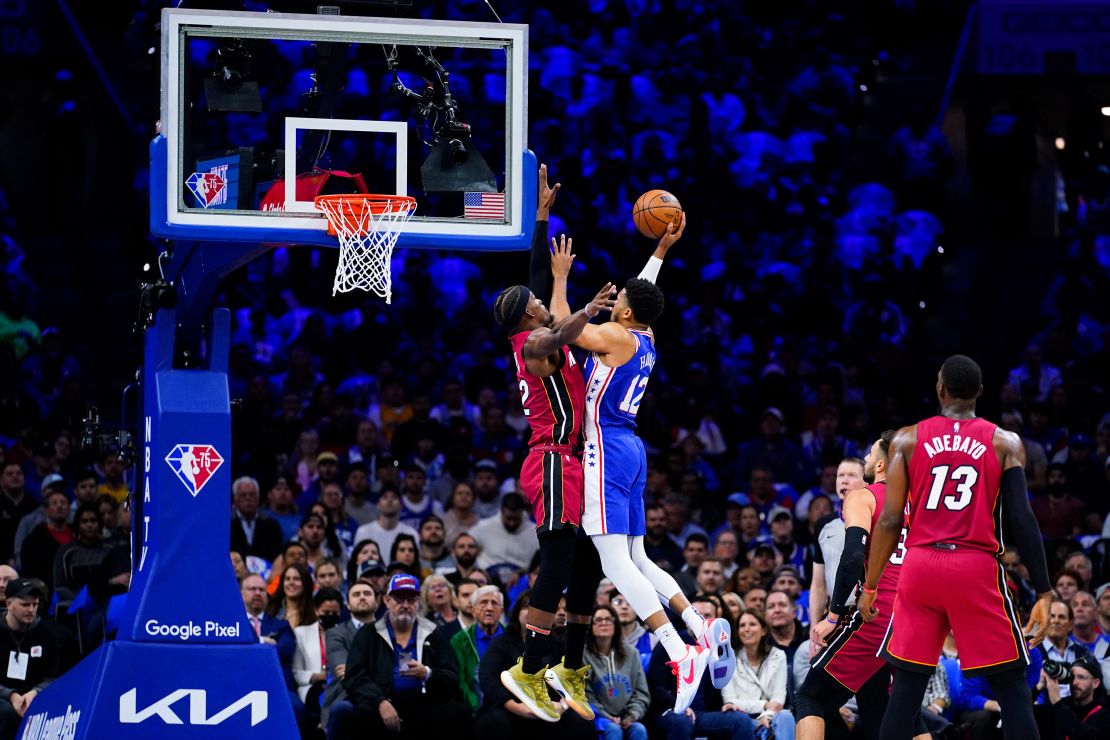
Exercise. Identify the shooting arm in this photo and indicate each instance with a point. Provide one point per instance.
(889, 527)
(655, 261)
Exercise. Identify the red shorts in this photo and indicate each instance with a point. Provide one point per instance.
(552, 484)
(852, 656)
(961, 590)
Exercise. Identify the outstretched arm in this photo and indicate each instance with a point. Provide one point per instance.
(889, 527)
(545, 341)
(539, 274)
(604, 339)
(674, 233)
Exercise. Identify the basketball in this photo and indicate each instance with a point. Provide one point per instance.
(653, 211)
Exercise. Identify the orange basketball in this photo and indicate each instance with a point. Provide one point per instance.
(653, 211)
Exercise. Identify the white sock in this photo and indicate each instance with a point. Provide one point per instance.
(694, 621)
(672, 643)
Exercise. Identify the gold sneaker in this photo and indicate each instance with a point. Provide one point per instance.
(531, 690)
(570, 684)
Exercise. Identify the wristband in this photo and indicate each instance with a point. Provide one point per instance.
(831, 621)
(867, 590)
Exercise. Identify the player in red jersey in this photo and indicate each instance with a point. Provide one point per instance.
(849, 663)
(553, 395)
(958, 472)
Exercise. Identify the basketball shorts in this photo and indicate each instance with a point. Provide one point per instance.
(615, 471)
(961, 590)
(852, 656)
(552, 484)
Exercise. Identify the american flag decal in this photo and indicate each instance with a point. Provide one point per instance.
(484, 205)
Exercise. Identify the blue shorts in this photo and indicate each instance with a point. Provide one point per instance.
(615, 470)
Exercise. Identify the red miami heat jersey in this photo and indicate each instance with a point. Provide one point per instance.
(954, 485)
(553, 405)
(888, 581)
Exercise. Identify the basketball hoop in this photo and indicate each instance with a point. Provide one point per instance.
(367, 227)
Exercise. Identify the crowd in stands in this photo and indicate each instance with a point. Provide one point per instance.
(375, 509)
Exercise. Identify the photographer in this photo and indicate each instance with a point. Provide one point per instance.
(1085, 713)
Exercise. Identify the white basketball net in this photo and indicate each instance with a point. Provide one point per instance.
(366, 239)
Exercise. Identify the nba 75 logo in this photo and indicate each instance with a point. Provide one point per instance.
(208, 188)
(194, 465)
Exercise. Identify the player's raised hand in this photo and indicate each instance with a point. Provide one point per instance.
(545, 195)
(674, 232)
(866, 605)
(1038, 620)
(603, 301)
(562, 256)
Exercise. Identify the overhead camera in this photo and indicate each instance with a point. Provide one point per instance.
(228, 89)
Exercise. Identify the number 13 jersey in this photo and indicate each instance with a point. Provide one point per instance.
(613, 394)
(954, 485)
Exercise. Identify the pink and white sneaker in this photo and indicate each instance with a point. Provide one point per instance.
(717, 639)
(688, 672)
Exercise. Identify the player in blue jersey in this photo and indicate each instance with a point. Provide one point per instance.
(622, 355)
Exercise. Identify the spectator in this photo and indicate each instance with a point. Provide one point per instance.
(455, 409)
(464, 610)
(1034, 378)
(361, 604)
(396, 678)
(366, 449)
(1036, 462)
(772, 452)
(758, 688)
(438, 598)
(676, 508)
(314, 528)
(15, 504)
(787, 632)
(751, 527)
(1085, 630)
(404, 553)
(1067, 585)
(617, 688)
(460, 515)
(827, 445)
(501, 715)
(764, 559)
(936, 701)
(1059, 644)
(464, 551)
(707, 715)
(252, 532)
(695, 550)
(782, 537)
(83, 562)
(711, 577)
(310, 670)
(337, 520)
(1084, 713)
(388, 525)
(327, 471)
(42, 544)
(363, 551)
(487, 488)
(84, 488)
(726, 549)
(282, 508)
(113, 483)
(633, 633)
(33, 649)
(358, 488)
(52, 482)
(826, 486)
(1103, 601)
(1060, 514)
(7, 573)
(1081, 564)
(469, 644)
(327, 575)
(294, 602)
(416, 505)
(657, 543)
(419, 426)
(507, 537)
(434, 556)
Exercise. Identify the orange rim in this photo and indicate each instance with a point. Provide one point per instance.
(356, 204)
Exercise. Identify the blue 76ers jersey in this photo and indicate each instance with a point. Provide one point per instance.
(614, 465)
(613, 394)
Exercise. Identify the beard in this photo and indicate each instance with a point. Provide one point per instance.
(466, 560)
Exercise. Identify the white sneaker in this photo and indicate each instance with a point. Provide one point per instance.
(688, 672)
(717, 639)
